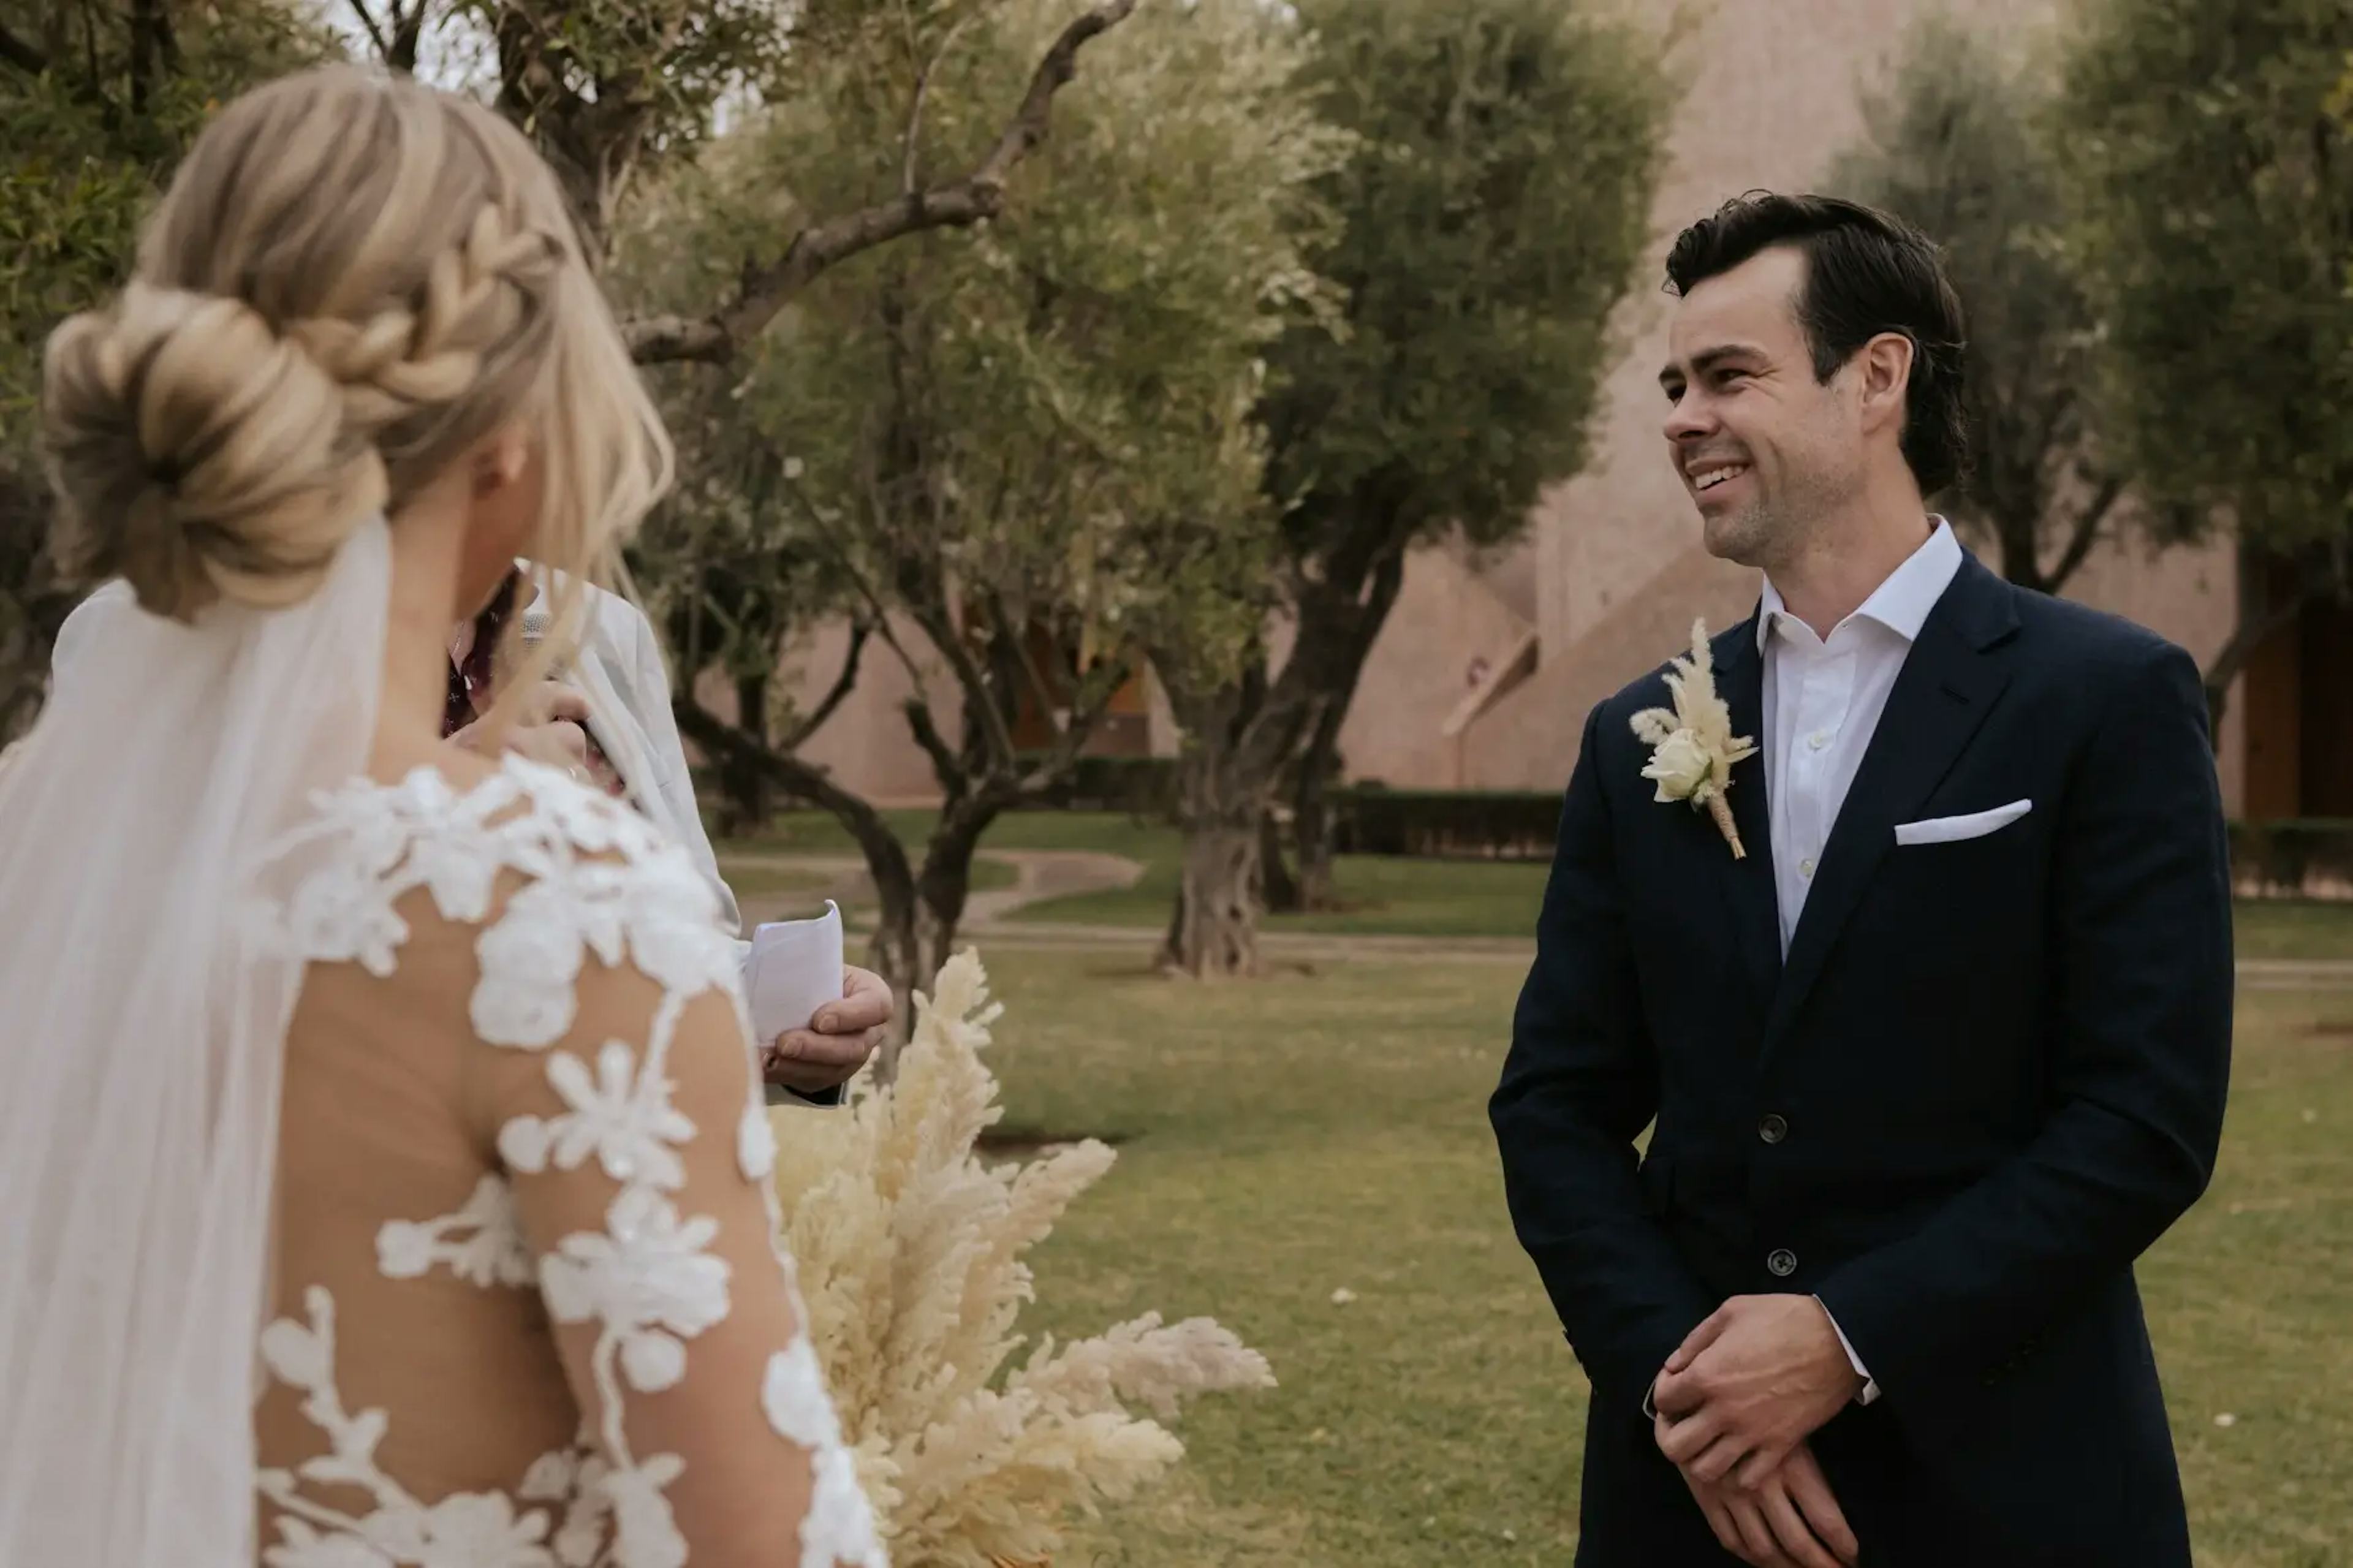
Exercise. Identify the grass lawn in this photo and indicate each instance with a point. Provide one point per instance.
(1307, 1134)
(816, 833)
(2294, 928)
(771, 881)
(1380, 895)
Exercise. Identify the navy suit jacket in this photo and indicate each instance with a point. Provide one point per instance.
(1989, 1075)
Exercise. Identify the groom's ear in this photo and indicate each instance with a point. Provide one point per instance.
(1883, 369)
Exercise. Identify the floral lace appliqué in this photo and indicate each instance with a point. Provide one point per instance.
(600, 882)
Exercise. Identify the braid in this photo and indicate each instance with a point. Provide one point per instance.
(477, 295)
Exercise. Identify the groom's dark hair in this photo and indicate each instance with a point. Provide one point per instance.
(1867, 272)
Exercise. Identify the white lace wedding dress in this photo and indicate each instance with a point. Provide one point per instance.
(529, 1310)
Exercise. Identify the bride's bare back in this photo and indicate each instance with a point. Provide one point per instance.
(528, 1308)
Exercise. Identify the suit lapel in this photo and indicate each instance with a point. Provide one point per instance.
(1949, 682)
(1750, 896)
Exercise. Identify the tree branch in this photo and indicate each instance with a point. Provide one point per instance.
(960, 202)
(974, 681)
(945, 764)
(923, 92)
(14, 51)
(1086, 709)
(725, 742)
(860, 631)
(366, 15)
(2252, 635)
(2259, 618)
(407, 31)
(2086, 532)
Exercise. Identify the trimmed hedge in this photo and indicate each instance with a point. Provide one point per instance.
(1487, 825)
(1139, 786)
(2287, 858)
(2290, 858)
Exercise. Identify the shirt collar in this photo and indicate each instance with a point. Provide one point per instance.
(1902, 602)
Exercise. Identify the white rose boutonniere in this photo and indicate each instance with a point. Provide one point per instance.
(1693, 748)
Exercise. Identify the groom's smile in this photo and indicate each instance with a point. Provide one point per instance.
(1711, 474)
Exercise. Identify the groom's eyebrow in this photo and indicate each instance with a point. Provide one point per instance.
(1708, 358)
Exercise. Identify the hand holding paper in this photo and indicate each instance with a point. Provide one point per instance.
(795, 968)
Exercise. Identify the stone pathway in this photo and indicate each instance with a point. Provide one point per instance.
(1043, 874)
(1039, 875)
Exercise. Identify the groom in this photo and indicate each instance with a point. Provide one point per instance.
(1934, 1063)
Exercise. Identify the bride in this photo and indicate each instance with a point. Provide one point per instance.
(382, 1158)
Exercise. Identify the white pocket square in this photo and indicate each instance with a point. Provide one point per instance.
(1953, 829)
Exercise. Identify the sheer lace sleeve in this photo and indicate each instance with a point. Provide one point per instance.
(617, 1085)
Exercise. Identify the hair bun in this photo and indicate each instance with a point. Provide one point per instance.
(198, 453)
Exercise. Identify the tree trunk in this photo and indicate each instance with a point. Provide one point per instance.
(896, 952)
(945, 885)
(1284, 894)
(893, 951)
(747, 792)
(1310, 808)
(1311, 829)
(1318, 763)
(2261, 613)
(1213, 930)
(2020, 539)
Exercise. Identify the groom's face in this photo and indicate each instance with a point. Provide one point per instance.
(1765, 449)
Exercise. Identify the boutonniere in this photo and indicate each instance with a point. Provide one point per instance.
(1693, 748)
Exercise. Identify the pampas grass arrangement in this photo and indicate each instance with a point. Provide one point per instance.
(910, 1254)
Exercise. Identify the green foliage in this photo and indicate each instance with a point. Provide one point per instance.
(1494, 214)
(2216, 194)
(96, 102)
(1957, 144)
(86, 143)
(613, 91)
(1042, 422)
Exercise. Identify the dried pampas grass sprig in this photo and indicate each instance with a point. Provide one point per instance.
(910, 1258)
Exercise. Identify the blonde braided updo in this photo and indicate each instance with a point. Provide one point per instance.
(352, 282)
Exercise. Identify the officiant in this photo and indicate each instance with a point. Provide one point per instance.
(606, 720)
(609, 719)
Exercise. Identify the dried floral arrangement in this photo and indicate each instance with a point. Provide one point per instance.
(910, 1250)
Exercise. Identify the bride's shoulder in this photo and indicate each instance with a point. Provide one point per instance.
(511, 855)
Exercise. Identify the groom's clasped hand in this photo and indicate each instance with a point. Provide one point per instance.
(1736, 1404)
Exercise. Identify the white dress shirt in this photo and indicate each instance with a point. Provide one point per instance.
(1823, 697)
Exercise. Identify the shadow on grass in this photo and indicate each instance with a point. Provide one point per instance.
(1021, 1139)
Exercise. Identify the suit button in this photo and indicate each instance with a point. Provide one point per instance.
(1773, 1129)
(1783, 1263)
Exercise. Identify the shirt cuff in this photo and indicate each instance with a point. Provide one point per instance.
(823, 1098)
(1869, 1389)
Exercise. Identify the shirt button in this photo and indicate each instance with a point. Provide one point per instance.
(1773, 1129)
(1819, 738)
(1783, 1263)
(1805, 867)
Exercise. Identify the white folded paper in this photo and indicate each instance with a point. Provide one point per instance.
(795, 969)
